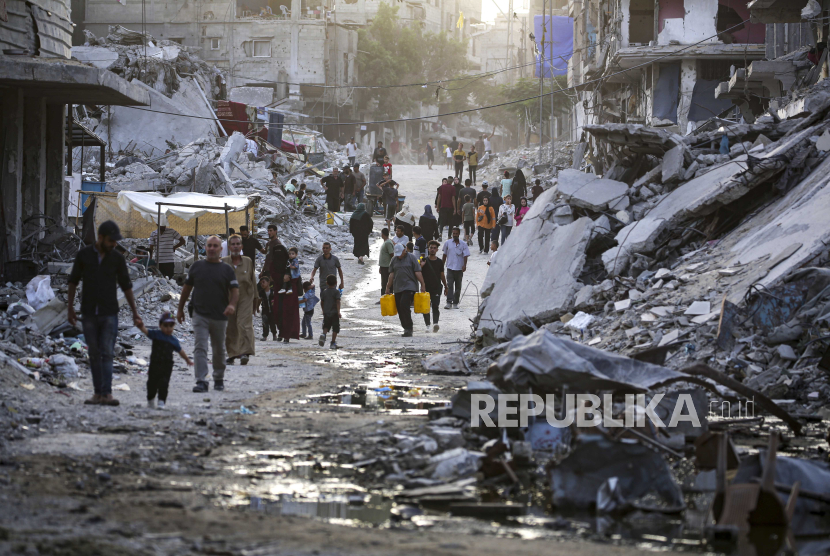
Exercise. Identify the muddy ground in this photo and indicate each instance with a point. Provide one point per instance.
(290, 459)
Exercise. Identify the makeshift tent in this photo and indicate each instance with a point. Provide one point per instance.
(137, 214)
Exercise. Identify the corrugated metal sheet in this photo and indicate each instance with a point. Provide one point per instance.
(19, 31)
(60, 8)
(54, 34)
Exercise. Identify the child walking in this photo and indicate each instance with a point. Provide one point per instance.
(330, 300)
(448, 152)
(161, 359)
(308, 302)
(468, 213)
(266, 300)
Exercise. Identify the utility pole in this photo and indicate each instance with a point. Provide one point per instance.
(509, 38)
(542, 56)
(552, 138)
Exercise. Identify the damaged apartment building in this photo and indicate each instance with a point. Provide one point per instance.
(659, 62)
(288, 50)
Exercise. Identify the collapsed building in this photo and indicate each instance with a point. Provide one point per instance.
(289, 51)
(659, 63)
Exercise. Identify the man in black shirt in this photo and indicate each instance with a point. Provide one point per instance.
(215, 295)
(101, 268)
(379, 154)
(453, 145)
(250, 244)
(333, 185)
(432, 269)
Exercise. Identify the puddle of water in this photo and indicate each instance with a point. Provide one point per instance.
(353, 508)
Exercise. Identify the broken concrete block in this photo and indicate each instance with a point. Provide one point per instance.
(786, 352)
(623, 216)
(621, 204)
(588, 191)
(646, 192)
(563, 216)
(662, 273)
(691, 170)
(692, 199)
(622, 305)
(551, 261)
(698, 308)
(634, 294)
(784, 333)
(673, 164)
(762, 140)
(584, 297)
(602, 225)
(823, 143)
(651, 176)
(616, 261)
(669, 338)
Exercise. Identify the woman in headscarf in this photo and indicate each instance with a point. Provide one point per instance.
(406, 219)
(518, 188)
(428, 224)
(360, 226)
(521, 209)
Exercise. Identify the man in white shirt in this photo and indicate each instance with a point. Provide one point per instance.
(399, 237)
(456, 253)
(225, 251)
(351, 151)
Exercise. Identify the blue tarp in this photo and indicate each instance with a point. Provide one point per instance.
(557, 52)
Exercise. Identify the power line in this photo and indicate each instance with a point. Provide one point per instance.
(499, 105)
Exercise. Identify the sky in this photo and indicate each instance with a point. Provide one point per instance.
(489, 9)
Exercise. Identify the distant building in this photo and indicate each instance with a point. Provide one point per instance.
(291, 47)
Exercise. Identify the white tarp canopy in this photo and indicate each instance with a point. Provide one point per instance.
(136, 213)
(145, 204)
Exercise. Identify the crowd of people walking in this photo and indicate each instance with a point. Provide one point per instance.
(223, 293)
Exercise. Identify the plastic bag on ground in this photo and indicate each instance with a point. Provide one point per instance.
(64, 365)
(39, 291)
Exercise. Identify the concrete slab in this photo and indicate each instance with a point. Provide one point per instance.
(97, 56)
(588, 191)
(149, 131)
(797, 219)
(693, 199)
(550, 261)
(673, 164)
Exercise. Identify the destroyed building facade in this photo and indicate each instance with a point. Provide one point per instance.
(660, 61)
(38, 81)
(293, 53)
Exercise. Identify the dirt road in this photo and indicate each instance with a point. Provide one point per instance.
(300, 433)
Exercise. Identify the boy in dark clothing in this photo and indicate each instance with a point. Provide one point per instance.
(161, 359)
(432, 269)
(330, 300)
(307, 303)
(266, 302)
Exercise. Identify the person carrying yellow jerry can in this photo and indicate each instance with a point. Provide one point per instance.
(404, 278)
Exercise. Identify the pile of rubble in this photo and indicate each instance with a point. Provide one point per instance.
(674, 261)
(157, 63)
